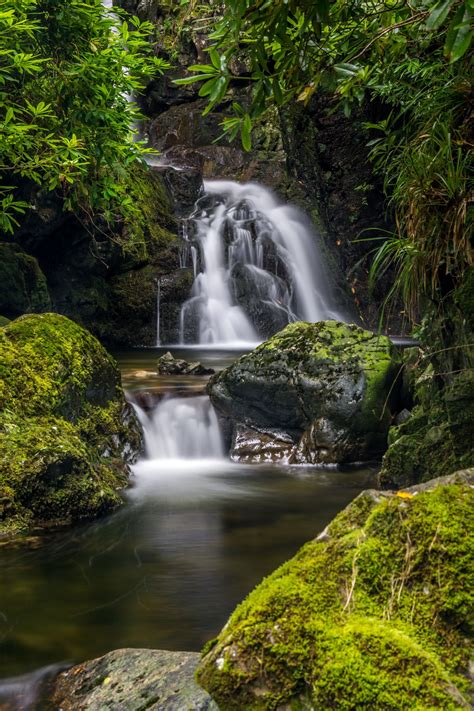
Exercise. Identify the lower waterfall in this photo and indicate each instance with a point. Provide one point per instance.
(182, 428)
(256, 266)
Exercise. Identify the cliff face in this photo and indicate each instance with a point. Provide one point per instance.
(103, 276)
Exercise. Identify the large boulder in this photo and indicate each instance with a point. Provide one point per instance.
(133, 679)
(374, 613)
(66, 433)
(325, 386)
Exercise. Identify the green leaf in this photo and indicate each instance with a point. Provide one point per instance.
(208, 87)
(246, 132)
(460, 34)
(194, 79)
(438, 14)
(215, 59)
(277, 92)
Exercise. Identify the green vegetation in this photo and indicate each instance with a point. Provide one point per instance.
(375, 613)
(409, 58)
(64, 424)
(68, 68)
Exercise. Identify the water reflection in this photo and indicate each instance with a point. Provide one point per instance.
(166, 570)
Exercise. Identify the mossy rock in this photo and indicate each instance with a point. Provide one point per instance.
(327, 385)
(23, 287)
(4, 321)
(375, 613)
(66, 432)
(437, 436)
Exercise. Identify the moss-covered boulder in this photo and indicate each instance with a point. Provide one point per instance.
(324, 386)
(374, 613)
(66, 432)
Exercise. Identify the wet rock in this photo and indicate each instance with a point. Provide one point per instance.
(133, 679)
(327, 385)
(262, 295)
(343, 623)
(67, 435)
(251, 446)
(184, 185)
(168, 365)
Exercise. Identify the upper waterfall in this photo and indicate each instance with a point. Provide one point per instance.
(256, 265)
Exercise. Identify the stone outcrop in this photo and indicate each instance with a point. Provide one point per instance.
(314, 393)
(67, 435)
(133, 679)
(373, 613)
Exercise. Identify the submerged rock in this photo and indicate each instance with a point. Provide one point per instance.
(325, 386)
(168, 365)
(374, 613)
(66, 432)
(133, 679)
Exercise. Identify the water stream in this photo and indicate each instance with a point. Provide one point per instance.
(165, 571)
(257, 267)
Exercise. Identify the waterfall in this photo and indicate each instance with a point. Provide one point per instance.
(182, 428)
(256, 266)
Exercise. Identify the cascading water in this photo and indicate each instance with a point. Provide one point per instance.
(182, 428)
(256, 267)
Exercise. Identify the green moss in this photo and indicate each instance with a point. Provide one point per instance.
(437, 436)
(4, 321)
(155, 233)
(374, 614)
(64, 423)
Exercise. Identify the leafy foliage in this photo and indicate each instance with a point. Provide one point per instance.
(409, 56)
(67, 69)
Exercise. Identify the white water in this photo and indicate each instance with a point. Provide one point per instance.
(182, 428)
(246, 234)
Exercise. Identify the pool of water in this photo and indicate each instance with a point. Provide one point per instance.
(165, 571)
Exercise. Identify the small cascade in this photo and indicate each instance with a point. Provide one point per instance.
(256, 268)
(182, 428)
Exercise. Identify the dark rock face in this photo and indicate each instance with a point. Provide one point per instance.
(342, 625)
(328, 158)
(104, 280)
(133, 679)
(324, 386)
(23, 286)
(66, 433)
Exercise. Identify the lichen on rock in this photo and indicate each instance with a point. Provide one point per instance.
(327, 385)
(66, 432)
(374, 613)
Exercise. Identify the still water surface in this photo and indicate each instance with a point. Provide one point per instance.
(168, 568)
